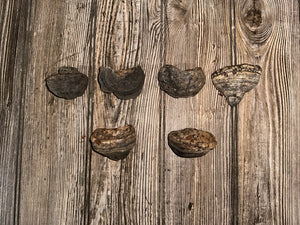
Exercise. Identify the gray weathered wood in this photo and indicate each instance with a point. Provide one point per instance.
(291, 183)
(127, 192)
(269, 115)
(11, 111)
(52, 180)
(48, 171)
(197, 191)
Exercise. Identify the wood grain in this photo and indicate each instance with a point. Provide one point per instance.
(48, 171)
(127, 191)
(197, 190)
(267, 130)
(52, 34)
(291, 207)
(11, 111)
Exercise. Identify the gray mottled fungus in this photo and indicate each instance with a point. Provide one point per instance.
(191, 142)
(181, 83)
(124, 84)
(114, 143)
(234, 81)
(68, 83)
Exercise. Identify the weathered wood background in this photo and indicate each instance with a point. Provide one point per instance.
(50, 175)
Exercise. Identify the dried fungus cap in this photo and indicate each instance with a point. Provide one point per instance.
(114, 143)
(181, 84)
(190, 142)
(234, 81)
(124, 84)
(68, 83)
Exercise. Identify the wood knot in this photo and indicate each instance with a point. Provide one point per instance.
(253, 17)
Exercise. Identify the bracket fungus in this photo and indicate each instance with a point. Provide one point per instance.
(191, 142)
(114, 143)
(124, 84)
(234, 81)
(181, 83)
(67, 83)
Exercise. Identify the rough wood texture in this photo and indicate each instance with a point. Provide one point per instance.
(127, 191)
(48, 171)
(197, 191)
(268, 125)
(11, 111)
(53, 139)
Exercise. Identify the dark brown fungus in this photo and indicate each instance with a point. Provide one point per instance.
(181, 84)
(114, 143)
(190, 142)
(234, 81)
(124, 84)
(68, 83)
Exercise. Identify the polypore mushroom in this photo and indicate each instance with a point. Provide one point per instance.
(234, 81)
(191, 142)
(68, 83)
(124, 84)
(181, 83)
(114, 143)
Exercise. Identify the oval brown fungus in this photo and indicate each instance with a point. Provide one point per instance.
(191, 142)
(114, 143)
(124, 84)
(181, 83)
(68, 83)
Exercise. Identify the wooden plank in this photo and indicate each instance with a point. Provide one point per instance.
(267, 34)
(292, 160)
(49, 136)
(197, 190)
(127, 191)
(53, 34)
(10, 111)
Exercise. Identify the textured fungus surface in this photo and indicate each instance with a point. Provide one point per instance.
(181, 84)
(124, 84)
(190, 142)
(114, 143)
(234, 81)
(68, 83)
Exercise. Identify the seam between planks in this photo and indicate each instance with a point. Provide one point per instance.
(234, 127)
(232, 32)
(90, 114)
(162, 119)
(17, 197)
